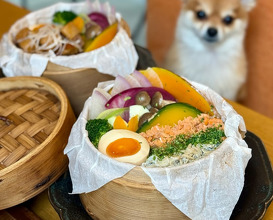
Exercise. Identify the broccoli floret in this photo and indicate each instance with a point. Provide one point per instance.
(63, 17)
(96, 128)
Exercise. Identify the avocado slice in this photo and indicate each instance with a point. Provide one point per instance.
(108, 113)
(170, 115)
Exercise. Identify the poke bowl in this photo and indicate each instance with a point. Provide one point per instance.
(154, 145)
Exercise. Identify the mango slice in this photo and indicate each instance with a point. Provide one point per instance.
(182, 90)
(170, 115)
(153, 77)
(104, 38)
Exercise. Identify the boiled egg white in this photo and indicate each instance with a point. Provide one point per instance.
(124, 146)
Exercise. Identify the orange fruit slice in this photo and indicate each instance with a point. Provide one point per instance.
(104, 38)
(153, 77)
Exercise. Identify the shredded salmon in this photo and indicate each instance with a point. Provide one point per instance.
(158, 135)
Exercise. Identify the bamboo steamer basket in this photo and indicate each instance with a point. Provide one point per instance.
(35, 123)
(133, 197)
(78, 84)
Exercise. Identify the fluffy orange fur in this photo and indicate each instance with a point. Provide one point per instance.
(209, 44)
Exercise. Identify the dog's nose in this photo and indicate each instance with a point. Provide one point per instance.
(212, 32)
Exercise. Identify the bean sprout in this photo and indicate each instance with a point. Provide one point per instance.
(48, 38)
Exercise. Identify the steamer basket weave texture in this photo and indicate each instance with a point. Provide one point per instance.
(35, 122)
(24, 127)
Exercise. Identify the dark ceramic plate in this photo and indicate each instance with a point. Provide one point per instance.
(256, 196)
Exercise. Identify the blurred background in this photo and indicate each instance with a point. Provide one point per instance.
(133, 11)
(153, 23)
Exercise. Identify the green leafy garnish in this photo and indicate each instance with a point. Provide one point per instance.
(63, 17)
(96, 128)
(213, 136)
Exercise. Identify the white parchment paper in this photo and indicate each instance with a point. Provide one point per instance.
(208, 188)
(117, 57)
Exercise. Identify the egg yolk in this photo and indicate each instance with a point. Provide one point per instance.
(123, 147)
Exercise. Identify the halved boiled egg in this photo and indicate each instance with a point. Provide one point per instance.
(124, 146)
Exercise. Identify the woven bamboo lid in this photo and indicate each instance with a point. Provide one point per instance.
(35, 122)
(27, 118)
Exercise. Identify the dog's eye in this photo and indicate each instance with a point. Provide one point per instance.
(228, 19)
(201, 15)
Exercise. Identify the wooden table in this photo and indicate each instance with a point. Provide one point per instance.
(40, 208)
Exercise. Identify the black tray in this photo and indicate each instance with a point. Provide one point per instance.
(256, 196)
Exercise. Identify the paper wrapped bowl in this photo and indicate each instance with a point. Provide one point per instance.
(35, 123)
(81, 71)
(208, 188)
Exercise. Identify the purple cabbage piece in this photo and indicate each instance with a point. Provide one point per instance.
(100, 19)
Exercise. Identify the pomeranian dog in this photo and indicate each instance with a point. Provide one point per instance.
(209, 44)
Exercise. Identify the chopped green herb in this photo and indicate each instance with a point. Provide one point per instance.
(127, 98)
(181, 142)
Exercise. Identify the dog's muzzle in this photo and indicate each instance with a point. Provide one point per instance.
(211, 35)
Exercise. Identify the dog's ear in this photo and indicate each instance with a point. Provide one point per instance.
(248, 4)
